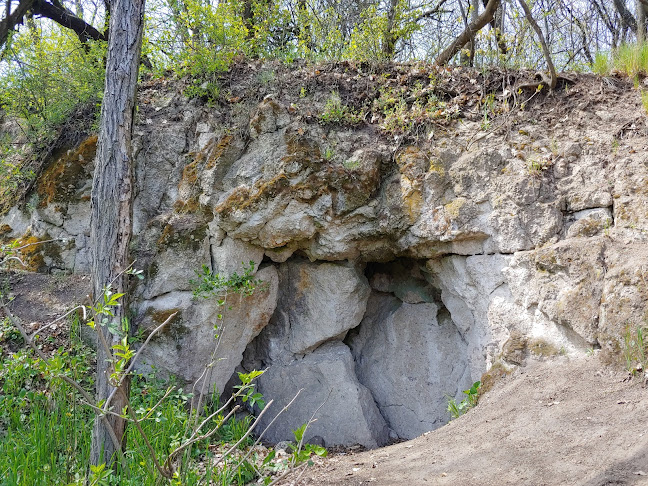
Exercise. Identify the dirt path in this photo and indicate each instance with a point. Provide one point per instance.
(572, 422)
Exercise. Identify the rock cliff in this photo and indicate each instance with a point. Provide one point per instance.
(414, 229)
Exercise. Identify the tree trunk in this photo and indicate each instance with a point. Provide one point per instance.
(389, 36)
(112, 200)
(642, 14)
(487, 15)
(545, 50)
(627, 18)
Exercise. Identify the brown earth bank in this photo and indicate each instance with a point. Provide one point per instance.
(565, 421)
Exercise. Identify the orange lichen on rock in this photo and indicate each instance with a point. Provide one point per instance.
(34, 251)
(60, 180)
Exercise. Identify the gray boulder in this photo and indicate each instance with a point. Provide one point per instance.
(346, 412)
(410, 359)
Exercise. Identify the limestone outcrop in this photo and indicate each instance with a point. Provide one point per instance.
(397, 267)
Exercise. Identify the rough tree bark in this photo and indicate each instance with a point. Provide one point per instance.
(112, 199)
(626, 16)
(389, 36)
(486, 16)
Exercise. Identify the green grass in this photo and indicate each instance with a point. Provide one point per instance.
(635, 349)
(629, 59)
(45, 429)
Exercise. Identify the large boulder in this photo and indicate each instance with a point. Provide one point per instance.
(197, 338)
(344, 409)
(411, 359)
(317, 303)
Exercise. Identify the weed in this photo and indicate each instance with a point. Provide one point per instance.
(537, 167)
(267, 77)
(458, 409)
(337, 112)
(328, 153)
(601, 64)
(351, 164)
(644, 100)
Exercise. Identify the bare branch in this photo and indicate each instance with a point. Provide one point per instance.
(486, 16)
(545, 49)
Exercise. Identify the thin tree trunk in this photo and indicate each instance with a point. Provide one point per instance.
(112, 199)
(642, 11)
(389, 37)
(472, 28)
(626, 16)
(545, 49)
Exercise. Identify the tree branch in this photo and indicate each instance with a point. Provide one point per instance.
(487, 15)
(10, 21)
(63, 17)
(626, 16)
(545, 49)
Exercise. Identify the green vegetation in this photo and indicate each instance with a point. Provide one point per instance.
(635, 349)
(337, 112)
(628, 59)
(472, 397)
(177, 437)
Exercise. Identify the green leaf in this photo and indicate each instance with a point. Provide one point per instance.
(269, 457)
(299, 433)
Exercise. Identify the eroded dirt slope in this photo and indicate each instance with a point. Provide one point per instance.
(568, 421)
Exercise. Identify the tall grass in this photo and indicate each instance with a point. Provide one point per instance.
(629, 59)
(45, 429)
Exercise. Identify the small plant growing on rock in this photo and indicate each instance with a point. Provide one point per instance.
(458, 409)
(337, 112)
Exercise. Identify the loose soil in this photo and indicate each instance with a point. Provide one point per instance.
(566, 421)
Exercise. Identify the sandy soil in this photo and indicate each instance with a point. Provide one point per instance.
(572, 422)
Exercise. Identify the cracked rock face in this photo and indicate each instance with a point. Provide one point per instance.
(394, 274)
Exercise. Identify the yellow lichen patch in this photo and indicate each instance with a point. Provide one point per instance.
(35, 254)
(496, 373)
(189, 174)
(183, 234)
(241, 198)
(159, 316)
(302, 150)
(60, 180)
(436, 167)
(514, 348)
(412, 198)
(412, 162)
(453, 208)
(188, 190)
(192, 205)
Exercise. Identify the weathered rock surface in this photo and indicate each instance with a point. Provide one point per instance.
(478, 248)
(317, 303)
(197, 337)
(326, 377)
(410, 358)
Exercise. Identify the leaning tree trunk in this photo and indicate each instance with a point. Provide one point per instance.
(112, 201)
(471, 30)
